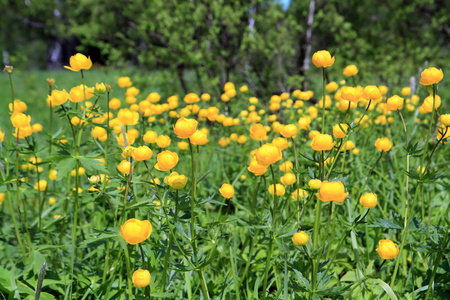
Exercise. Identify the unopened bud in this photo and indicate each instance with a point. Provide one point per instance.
(50, 81)
(100, 88)
(108, 88)
(8, 69)
(94, 179)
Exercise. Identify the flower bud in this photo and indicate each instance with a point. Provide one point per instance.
(8, 69)
(315, 184)
(387, 249)
(368, 200)
(141, 278)
(41, 185)
(300, 238)
(51, 81)
(227, 190)
(94, 179)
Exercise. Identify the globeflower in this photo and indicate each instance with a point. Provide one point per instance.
(289, 131)
(337, 131)
(185, 128)
(332, 191)
(383, 144)
(258, 132)
(141, 278)
(371, 92)
(350, 94)
(199, 138)
(191, 98)
(176, 181)
(163, 141)
(166, 160)
(445, 120)
(322, 142)
(281, 143)
(79, 62)
(322, 59)
(280, 190)
(41, 185)
(142, 153)
(125, 167)
(124, 82)
(150, 136)
(288, 179)
(315, 184)
(286, 166)
(393, 103)
(20, 120)
(268, 154)
(135, 231)
(431, 76)
(368, 200)
(227, 190)
(350, 70)
(57, 98)
(128, 117)
(256, 168)
(299, 193)
(300, 238)
(387, 249)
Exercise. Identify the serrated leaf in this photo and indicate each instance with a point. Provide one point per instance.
(384, 224)
(91, 165)
(64, 166)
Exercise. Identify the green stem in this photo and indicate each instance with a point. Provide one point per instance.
(297, 182)
(129, 276)
(323, 101)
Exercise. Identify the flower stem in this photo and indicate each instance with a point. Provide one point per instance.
(323, 101)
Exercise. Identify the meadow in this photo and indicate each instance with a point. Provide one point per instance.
(114, 185)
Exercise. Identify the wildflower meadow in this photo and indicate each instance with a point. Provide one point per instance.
(110, 191)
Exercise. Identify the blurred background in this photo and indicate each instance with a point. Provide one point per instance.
(199, 45)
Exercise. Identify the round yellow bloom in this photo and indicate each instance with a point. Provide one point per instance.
(337, 131)
(280, 190)
(128, 117)
(383, 144)
(286, 166)
(256, 168)
(322, 59)
(300, 238)
(368, 200)
(322, 142)
(199, 138)
(332, 86)
(19, 106)
(97, 132)
(315, 184)
(57, 98)
(51, 201)
(183, 145)
(299, 193)
(387, 249)
(268, 154)
(142, 153)
(289, 130)
(141, 278)
(41, 185)
(176, 181)
(125, 167)
(431, 76)
(20, 120)
(227, 190)
(332, 191)
(406, 91)
(288, 179)
(349, 145)
(427, 104)
(350, 94)
(124, 82)
(350, 70)
(304, 122)
(52, 174)
(243, 89)
(258, 132)
(166, 160)
(79, 62)
(135, 231)
(191, 98)
(205, 97)
(121, 141)
(242, 139)
(36, 127)
(445, 119)
(281, 143)
(393, 103)
(371, 92)
(184, 128)
(163, 141)
(150, 136)
(114, 103)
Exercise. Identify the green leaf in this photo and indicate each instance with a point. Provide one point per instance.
(385, 224)
(385, 287)
(64, 166)
(91, 165)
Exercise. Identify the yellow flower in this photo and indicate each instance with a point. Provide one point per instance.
(163, 141)
(2, 136)
(57, 98)
(132, 92)
(166, 160)
(268, 154)
(121, 141)
(368, 200)
(322, 59)
(135, 231)
(128, 117)
(124, 82)
(227, 190)
(371, 92)
(337, 131)
(350, 70)
(79, 62)
(41, 185)
(322, 142)
(427, 105)
(286, 166)
(300, 238)
(258, 132)
(332, 86)
(289, 130)
(199, 138)
(183, 145)
(150, 136)
(52, 174)
(350, 94)
(278, 188)
(23, 132)
(383, 144)
(191, 98)
(100, 88)
(406, 91)
(288, 179)
(393, 103)
(142, 153)
(94, 179)
(387, 249)
(431, 76)
(280, 142)
(242, 139)
(315, 184)
(19, 106)
(176, 181)
(304, 122)
(205, 97)
(184, 128)
(51, 201)
(332, 191)
(20, 120)
(243, 89)
(141, 278)
(299, 193)
(349, 145)
(256, 168)
(36, 127)
(98, 132)
(125, 167)
(445, 119)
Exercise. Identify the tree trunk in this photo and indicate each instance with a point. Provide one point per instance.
(180, 70)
